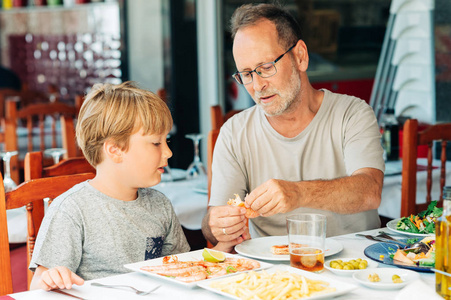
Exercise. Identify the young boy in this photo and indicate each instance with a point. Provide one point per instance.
(97, 226)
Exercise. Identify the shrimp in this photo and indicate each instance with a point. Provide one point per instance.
(216, 271)
(190, 271)
(240, 264)
(196, 275)
(250, 213)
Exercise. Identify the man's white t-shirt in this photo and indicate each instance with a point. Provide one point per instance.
(342, 138)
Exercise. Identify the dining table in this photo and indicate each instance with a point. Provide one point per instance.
(353, 246)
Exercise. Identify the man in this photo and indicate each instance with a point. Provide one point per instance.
(299, 149)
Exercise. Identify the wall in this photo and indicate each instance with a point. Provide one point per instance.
(145, 43)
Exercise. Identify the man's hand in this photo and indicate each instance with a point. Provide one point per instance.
(273, 197)
(345, 195)
(226, 224)
(54, 278)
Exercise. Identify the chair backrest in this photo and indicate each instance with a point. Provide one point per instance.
(411, 139)
(34, 169)
(25, 97)
(39, 113)
(218, 117)
(28, 194)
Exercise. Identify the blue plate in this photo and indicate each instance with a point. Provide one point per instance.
(374, 252)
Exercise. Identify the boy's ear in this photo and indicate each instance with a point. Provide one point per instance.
(112, 151)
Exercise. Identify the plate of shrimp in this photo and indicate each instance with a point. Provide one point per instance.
(187, 269)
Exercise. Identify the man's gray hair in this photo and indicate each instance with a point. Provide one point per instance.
(287, 27)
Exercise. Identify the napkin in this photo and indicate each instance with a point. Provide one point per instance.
(418, 289)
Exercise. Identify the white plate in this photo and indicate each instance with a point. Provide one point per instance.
(391, 225)
(188, 256)
(371, 264)
(260, 248)
(341, 287)
(385, 274)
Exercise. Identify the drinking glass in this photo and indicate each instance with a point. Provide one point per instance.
(306, 239)
(196, 168)
(55, 153)
(8, 182)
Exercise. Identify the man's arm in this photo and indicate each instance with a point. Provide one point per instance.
(347, 195)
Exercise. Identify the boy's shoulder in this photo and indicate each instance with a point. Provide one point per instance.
(78, 192)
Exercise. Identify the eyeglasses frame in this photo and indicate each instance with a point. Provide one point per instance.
(237, 74)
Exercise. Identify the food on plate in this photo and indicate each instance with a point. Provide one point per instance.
(280, 249)
(418, 256)
(374, 277)
(424, 222)
(250, 213)
(396, 279)
(284, 249)
(278, 285)
(190, 271)
(213, 255)
(353, 264)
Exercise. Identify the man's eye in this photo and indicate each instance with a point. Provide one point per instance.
(265, 68)
(157, 144)
(245, 74)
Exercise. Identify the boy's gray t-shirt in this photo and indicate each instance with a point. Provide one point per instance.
(342, 138)
(95, 235)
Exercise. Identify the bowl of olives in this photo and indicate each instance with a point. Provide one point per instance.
(347, 266)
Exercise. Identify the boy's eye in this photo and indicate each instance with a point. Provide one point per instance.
(157, 144)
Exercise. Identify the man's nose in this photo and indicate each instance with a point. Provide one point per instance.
(259, 83)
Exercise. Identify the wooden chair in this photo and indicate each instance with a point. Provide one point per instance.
(24, 97)
(27, 194)
(411, 139)
(10, 145)
(218, 117)
(34, 168)
(38, 112)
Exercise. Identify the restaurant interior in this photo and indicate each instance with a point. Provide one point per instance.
(182, 51)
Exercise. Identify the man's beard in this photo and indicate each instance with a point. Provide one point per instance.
(287, 97)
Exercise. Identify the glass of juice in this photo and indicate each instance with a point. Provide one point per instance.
(306, 240)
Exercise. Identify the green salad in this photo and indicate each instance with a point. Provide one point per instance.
(424, 222)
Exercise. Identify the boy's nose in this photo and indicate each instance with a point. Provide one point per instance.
(167, 153)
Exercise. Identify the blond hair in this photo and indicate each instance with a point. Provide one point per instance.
(115, 112)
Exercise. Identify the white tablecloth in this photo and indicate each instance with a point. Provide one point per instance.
(353, 247)
(391, 192)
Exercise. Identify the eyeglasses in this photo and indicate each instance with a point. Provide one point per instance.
(265, 70)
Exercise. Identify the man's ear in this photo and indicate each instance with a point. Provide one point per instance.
(301, 55)
(112, 151)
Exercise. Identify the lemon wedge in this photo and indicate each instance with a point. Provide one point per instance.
(213, 255)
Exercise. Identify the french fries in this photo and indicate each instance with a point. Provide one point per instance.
(279, 285)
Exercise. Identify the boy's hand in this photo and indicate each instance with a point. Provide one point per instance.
(55, 278)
